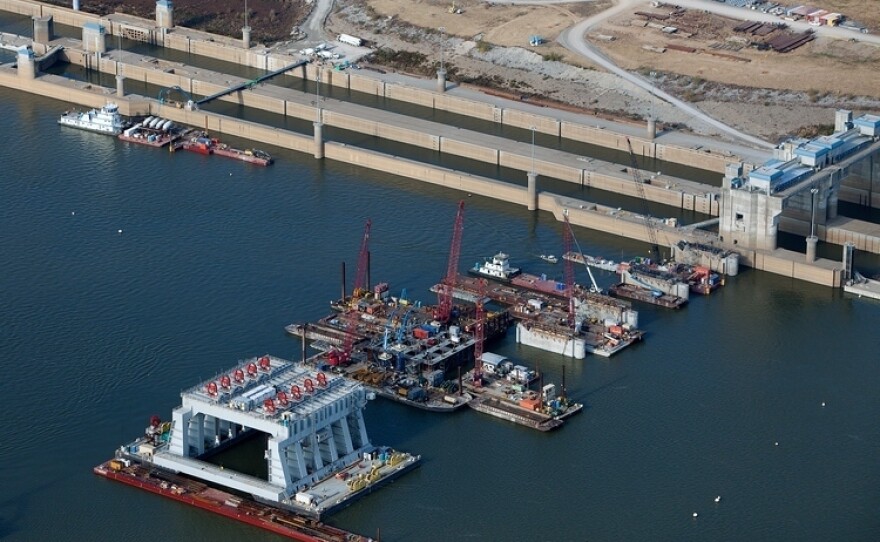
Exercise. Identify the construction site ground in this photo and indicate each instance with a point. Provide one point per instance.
(764, 93)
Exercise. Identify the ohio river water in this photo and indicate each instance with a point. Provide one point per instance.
(100, 329)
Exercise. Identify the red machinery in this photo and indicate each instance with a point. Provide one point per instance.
(448, 285)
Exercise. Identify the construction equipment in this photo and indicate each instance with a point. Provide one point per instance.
(352, 314)
(568, 239)
(479, 333)
(444, 309)
(568, 269)
(639, 182)
(185, 103)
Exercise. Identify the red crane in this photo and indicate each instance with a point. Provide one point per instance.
(351, 314)
(448, 284)
(567, 236)
(479, 333)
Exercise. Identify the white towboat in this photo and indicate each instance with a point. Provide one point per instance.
(106, 120)
(498, 268)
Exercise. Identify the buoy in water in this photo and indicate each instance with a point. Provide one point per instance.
(776, 444)
(718, 498)
(696, 514)
(823, 403)
(119, 231)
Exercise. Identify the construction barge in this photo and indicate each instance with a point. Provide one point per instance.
(153, 132)
(502, 389)
(240, 508)
(201, 143)
(653, 297)
(318, 453)
(605, 325)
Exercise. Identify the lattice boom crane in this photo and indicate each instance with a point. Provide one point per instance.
(449, 281)
(640, 186)
(352, 316)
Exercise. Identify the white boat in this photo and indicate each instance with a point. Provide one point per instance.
(498, 268)
(106, 120)
(549, 258)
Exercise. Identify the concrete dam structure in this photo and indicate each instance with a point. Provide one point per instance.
(757, 249)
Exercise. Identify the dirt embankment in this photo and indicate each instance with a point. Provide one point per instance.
(270, 20)
(761, 92)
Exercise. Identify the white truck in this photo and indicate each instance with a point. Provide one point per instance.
(350, 40)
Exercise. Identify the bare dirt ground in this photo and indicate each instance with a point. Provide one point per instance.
(766, 94)
(270, 20)
(823, 65)
(487, 44)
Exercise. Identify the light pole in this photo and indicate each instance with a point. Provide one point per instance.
(442, 46)
(318, 92)
(533, 149)
(441, 71)
(246, 29)
(532, 184)
(813, 192)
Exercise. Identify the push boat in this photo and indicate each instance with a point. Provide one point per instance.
(498, 268)
(106, 120)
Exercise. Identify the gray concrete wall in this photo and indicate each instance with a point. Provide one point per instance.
(230, 50)
(581, 213)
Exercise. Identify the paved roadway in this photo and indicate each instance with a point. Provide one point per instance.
(574, 40)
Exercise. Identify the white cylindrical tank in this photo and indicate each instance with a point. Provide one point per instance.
(147, 121)
(166, 125)
(731, 265)
(155, 123)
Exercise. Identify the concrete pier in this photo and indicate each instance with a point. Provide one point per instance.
(811, 248)
(43, 27)
(652, 129)
(164, 14)
(94, 38)
(441, 80)
(532, 191)
(246, 37)
(319, 140)
(120, 85)
(27, 68)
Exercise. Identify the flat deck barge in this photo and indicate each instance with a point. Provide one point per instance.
(637, 293)
(503, 391)
(194, 493)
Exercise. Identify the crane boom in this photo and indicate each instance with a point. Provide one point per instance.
(449, 281)
(351, 314)
(640, 186)
(569, 268)
(479, 332)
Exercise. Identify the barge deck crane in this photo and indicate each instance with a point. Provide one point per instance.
(352, 315)
(637, 179)
(448, 285)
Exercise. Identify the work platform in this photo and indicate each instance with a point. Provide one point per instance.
(319, 455)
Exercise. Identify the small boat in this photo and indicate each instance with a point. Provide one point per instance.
(106, 120)
(549, 258)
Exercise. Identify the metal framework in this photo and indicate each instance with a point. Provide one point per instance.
(448, 285)
(639, 182)
(351, 314)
